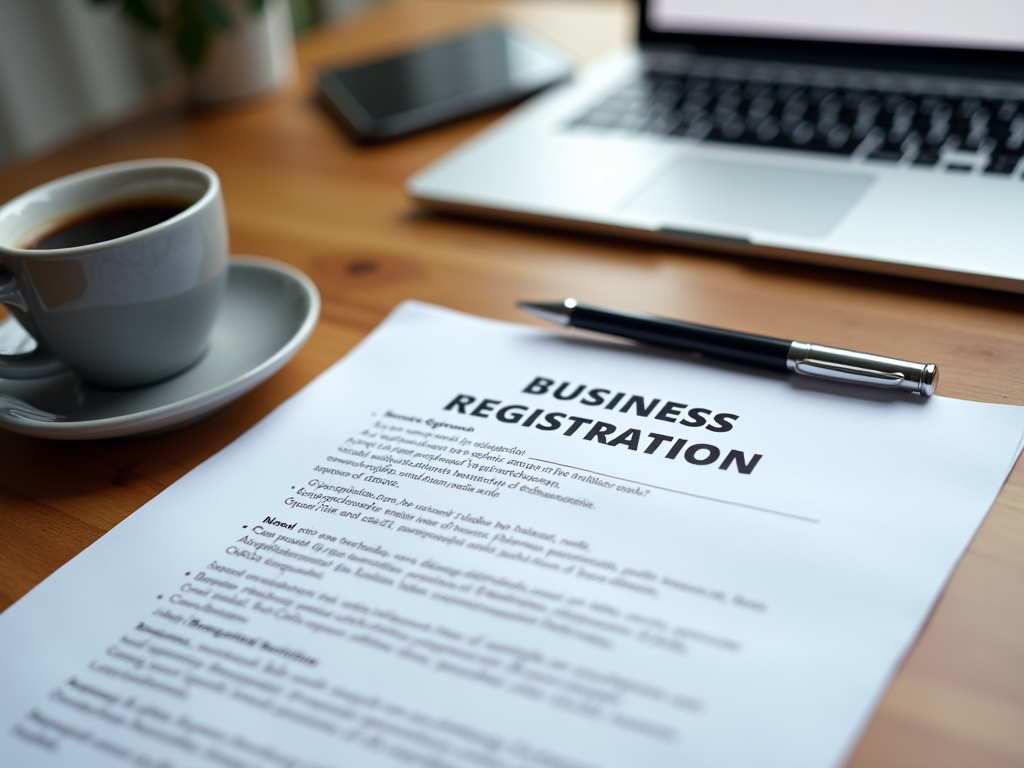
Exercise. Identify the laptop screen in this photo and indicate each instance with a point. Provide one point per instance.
(983, 38)
(978, 24)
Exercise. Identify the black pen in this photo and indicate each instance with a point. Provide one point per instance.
(745, 348)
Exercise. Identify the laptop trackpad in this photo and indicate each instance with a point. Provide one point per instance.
(743, 199)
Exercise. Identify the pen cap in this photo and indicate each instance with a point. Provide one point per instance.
(862, 368)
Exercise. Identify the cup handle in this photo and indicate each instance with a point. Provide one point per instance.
(30, 365)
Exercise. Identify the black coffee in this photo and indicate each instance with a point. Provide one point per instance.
(101, 224)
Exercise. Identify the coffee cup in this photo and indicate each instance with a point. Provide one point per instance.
(117, 271)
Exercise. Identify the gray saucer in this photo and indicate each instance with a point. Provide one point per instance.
(268, 314)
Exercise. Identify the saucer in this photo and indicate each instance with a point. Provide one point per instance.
(269, 311)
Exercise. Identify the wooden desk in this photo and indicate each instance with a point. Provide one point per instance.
(297, 191)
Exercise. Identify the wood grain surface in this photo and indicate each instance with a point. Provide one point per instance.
(298, 191)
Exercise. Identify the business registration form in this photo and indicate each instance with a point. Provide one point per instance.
(475, 543)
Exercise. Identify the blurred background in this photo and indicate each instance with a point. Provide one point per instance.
(68, 67)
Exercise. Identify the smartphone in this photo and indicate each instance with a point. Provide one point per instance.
(388, 98)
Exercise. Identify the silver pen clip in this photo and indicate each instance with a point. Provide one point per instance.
(861, 368)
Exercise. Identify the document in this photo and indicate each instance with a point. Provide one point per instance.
(471, 543)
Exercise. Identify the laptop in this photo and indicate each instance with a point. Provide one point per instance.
(882, 135)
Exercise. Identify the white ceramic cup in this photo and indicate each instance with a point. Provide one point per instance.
(123, 312)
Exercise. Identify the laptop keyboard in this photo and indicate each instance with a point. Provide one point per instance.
(955, 132)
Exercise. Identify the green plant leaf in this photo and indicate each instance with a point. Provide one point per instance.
(190, 24)
(216, 14)
(191, 34)
(142, 13)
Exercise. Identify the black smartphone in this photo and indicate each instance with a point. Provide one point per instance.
(447, 80)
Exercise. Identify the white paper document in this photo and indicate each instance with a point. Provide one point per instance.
(471, 543)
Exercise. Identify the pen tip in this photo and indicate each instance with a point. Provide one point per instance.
(553, 311)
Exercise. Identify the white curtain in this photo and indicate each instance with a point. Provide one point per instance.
(67, 66)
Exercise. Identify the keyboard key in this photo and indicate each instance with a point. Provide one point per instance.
(1007, 110)
(732, 127)
(968, 107)
(700, 127)
(937, 134)
(1002, 163)
(942, 112)
(974, 141)
(852, 96)
(761, 107)
(802, 134)
(664, 123)
(768, 130)
(1015, 139)
(882, 153)
(839, 138)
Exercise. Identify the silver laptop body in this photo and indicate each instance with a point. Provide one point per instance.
(874, 142)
